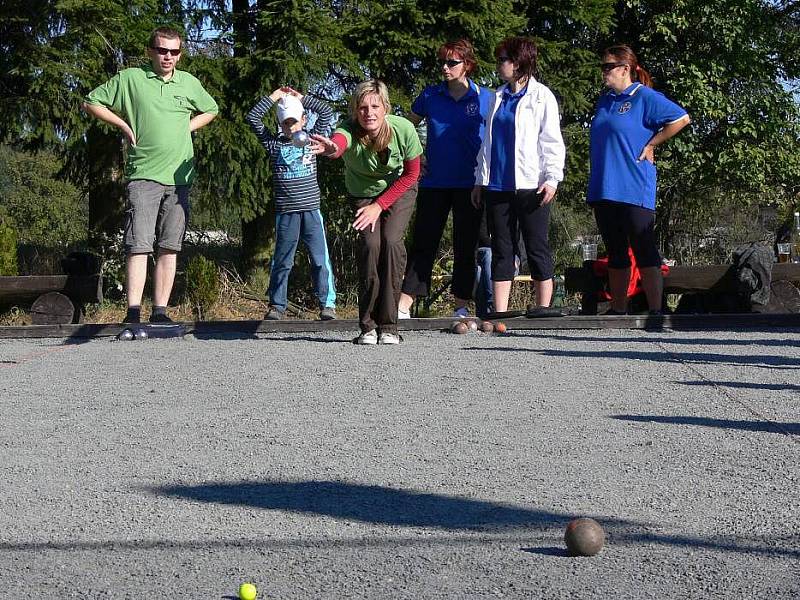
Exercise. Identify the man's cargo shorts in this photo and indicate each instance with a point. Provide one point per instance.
(157, 215)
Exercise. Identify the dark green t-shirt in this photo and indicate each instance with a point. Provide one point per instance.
(158, 112)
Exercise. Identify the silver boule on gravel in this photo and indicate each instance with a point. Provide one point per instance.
(141, 334)
(126, 335)
(584, 537)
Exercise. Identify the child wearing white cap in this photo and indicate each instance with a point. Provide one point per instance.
(296, 195)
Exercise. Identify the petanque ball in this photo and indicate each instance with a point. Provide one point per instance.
(472, 324)
(300, 138)
(247, 591)
(459, 327)
(487, 327)
(141, 334)
(126, 335)
(584, 537)
(500, 327)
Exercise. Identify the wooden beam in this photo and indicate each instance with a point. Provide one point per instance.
(81, 289)
(682, 279)
(349, 327)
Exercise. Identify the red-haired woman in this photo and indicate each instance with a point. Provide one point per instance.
(454, 112)
(519, 166)
(629, 122)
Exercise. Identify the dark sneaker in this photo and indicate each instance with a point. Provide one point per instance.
(160, 318)
(274, 314)
(328, 313)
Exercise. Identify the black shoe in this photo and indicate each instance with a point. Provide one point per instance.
(133, 316)
(655, 313)
(613, 313)
(160, 318)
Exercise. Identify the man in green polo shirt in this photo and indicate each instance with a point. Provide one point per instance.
(153, 106)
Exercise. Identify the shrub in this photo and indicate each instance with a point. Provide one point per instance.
(202, 284)
(8, 248)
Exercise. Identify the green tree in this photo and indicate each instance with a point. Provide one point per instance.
(47, 211)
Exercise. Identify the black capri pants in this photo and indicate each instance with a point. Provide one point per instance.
(623, 225)
(522, 211)
(433, 207)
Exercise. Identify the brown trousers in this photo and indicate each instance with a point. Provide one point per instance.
(382, 263)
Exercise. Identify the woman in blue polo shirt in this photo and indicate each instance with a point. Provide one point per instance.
(629, 122)
(454, 112)
(519, 166)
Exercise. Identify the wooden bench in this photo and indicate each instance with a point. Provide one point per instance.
(711, 280)
(56, 299)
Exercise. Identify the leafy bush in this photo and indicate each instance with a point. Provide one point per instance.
(202, 284)
(48, 211)
(8, 247)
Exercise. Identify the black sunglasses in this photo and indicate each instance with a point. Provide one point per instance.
(451, 62)
(164, 51)
(502, 59)
(606, 67)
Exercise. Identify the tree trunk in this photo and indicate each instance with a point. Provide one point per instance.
(106, 183)
(257, 232)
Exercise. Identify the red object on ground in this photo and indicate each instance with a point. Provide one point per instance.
(600, 268)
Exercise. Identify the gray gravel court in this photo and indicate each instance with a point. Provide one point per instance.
(446, 467)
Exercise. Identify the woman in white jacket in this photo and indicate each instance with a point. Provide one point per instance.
(519, 166)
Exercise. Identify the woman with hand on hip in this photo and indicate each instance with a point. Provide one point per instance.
(455, 112)
(520, 164)
(381, 154)
(629, 122)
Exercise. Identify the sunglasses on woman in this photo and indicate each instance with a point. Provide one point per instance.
(164, 51)
(451, 62)
(606, 67)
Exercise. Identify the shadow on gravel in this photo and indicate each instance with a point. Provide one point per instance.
(777, 387)
(381, 505)
(754, 360)
(548, 551)
(308, 338)
(762, 426)
(672, 340)
(371, 504)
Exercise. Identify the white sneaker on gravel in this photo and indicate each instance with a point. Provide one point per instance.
(389, 338)
(368, 338)
(461, 313)
(403, 314)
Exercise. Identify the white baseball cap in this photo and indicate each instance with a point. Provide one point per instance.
(289, 107)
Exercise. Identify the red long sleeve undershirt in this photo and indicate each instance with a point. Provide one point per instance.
(400, 186)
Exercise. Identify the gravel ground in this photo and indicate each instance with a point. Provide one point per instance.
(446, 467)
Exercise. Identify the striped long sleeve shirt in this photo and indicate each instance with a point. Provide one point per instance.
(294, 169)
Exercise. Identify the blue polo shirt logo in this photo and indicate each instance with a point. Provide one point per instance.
(471, 109)
(626, 106)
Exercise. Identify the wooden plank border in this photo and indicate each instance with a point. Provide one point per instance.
(208, 329)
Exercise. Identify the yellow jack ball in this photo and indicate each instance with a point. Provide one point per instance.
(247, 591)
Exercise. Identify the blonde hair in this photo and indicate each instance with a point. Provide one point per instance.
(384, 136)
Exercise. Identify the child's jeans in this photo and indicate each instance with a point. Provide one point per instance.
(289, 229)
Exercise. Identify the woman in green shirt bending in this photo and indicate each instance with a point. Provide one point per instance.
(381, 154)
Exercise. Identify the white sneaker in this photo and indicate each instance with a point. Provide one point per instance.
(461, 313)
(403, 314)
(389, 338)
(369, 338)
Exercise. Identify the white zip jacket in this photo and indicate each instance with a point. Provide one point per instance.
(539, 151)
